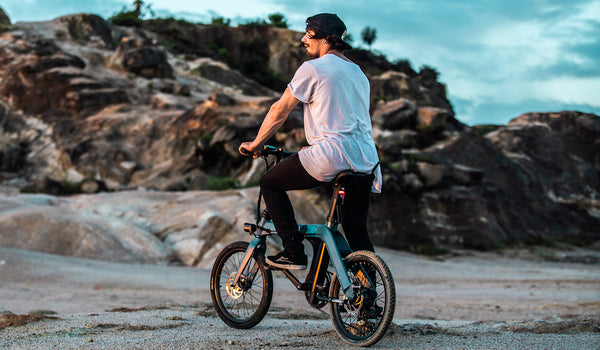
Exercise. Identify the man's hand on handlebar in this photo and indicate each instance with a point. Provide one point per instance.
(250, 149)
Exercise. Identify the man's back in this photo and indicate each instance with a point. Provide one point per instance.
(341, 96)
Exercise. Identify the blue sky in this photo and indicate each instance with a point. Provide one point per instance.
(499, 59)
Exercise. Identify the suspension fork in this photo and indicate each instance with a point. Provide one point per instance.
(256, 246)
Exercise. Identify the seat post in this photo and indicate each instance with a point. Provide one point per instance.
(335, 197)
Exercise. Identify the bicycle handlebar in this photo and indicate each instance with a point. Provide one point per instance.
(268, 150)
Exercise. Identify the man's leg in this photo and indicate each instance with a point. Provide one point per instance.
(287, 175)
(355, 212)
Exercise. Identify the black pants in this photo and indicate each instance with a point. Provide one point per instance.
(288, 175)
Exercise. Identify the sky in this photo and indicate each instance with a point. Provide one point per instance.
(498, 59)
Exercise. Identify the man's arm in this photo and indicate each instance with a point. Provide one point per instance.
(277, 115)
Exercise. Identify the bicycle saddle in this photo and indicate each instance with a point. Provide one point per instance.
(349, 177)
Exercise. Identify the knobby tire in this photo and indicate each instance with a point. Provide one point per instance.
(365, 321)
(240, 308)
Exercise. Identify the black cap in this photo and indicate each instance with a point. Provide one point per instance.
(331, 24)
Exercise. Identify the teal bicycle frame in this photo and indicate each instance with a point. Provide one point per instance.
(331, 238)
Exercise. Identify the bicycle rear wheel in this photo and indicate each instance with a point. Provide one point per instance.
(364, 320)
(245, 305)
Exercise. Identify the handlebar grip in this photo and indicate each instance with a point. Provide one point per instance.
(246, 152)
(267, 150)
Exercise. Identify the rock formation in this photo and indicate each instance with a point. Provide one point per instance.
(90, 107)
(532, 181)
(134, 226)
(4, 21)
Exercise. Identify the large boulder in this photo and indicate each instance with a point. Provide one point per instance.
(533, 181)
(402, 124)
(559, 154)
(142, 58)
(46, 224)
(189, 228)
(262, 53)
(397, 114)
(221, 73)
(89, 29)
(393, 85)
(40, 78)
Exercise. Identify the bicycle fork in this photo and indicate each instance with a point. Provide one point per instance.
(257, 247)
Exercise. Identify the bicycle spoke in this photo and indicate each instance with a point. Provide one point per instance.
(242, 304)
(365, 320)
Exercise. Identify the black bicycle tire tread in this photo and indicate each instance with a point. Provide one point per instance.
(265, 304)
(387, 319)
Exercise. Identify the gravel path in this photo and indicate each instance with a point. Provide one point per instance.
(464, 301)
(189, 327)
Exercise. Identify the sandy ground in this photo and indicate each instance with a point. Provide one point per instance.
(545, 299)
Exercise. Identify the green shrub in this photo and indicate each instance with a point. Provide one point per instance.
(221, 21)
(215, 183)
(278, 20)
(255, 24)
(485, 129)
(428, 76)
(75, 29)
(404, 66)
(126, 18)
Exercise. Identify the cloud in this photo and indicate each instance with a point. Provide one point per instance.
(533, 55)
(568, 68)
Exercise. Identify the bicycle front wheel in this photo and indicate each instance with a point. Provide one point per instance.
(242, 306)
(364, 320)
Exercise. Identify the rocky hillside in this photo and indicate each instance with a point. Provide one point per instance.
(89, 107)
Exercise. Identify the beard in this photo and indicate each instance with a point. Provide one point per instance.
(311, 54)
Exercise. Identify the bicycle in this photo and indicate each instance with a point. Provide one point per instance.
(360, 289)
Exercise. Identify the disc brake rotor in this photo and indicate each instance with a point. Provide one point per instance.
(233, 291)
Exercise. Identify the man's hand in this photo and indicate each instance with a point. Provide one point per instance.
(250, 149)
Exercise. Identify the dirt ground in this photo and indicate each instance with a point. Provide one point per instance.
(528, 298)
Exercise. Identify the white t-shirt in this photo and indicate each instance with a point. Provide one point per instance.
(335, 93)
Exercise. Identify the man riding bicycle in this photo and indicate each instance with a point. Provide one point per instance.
(335, 94)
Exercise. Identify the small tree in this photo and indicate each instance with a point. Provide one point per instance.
(428, 75)
(142, 8)
(278, 20)
(369, 35)
(138, 4)
(221, 21)
(403, 65)
(132, 18)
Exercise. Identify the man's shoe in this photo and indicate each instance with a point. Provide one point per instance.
(284, 260)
